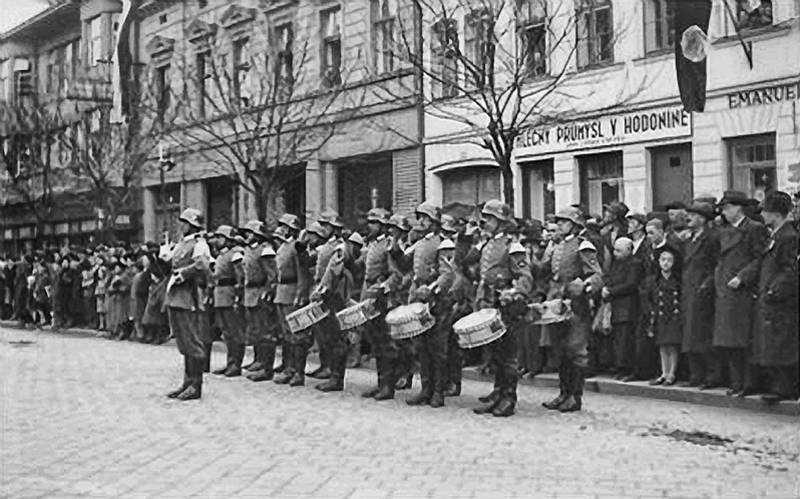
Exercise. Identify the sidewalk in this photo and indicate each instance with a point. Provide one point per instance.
(599, 384)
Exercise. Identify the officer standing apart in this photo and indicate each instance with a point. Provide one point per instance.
(184, 302)
(260, 278)
(574, 274)
(228, 280)
(505, 284)
(431, 345)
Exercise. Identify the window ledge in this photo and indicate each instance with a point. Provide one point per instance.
(600, 67)
(764, 33)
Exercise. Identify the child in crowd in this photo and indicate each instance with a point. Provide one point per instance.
(663, 300)
(100, 296)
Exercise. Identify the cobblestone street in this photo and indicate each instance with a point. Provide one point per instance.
(85, 417)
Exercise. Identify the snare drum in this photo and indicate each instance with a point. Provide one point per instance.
(553, 311)
(408, 321)
(305, 317)
(351, 317)
(479, 328)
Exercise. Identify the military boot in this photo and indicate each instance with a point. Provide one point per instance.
(437, 397)
(195, 388)
(387, 388)
(335, 382)
(186, 378)
(504, 408)
(452, 390)
(564, 389)
(493, 397)
(287, 372)
(299, 377)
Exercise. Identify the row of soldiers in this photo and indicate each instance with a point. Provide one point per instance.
(456, 270)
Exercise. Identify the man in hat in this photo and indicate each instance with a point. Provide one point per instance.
(228, 284)
(742, 244)
(431, 346)
(376, 271)
(291, 294)
(615, 225)
(185, 307)
(575, 275)
(505, 284)
(260, 279)
(775, 340)
(697, 295)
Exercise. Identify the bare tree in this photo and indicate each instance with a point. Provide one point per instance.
(510, 70)
(31, 172)
(258, 116)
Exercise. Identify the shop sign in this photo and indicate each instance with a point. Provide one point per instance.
(639, 126)
(764, 95)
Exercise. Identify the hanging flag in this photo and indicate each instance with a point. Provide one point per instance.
(691, 71)
(121, 64)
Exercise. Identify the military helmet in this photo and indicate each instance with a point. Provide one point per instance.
(318, 229)
(428, 209)
(330, 217)
(448, 223)
(400, 222)
(572, 214)
(192, 217)
(379, 215)
(225, 231)
(497, 209)
(257, 227)
(290, 221)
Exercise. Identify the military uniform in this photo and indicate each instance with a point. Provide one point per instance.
(429, 272)
(228, 280)
(263, 327)
(503, 273)
(573, 258)
(186, 308)
(396, 287)
(376, 272)
(324, 252)
(292, 288)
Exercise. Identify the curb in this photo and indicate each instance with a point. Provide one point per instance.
(599, 384)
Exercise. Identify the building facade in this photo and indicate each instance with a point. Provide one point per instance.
(615, 128)
(57, 64)
(370, 155)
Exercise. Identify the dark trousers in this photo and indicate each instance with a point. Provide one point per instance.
(332, 345)
(455, 359)
(783, 380)
(529, 353)
(647, 362)
(703, 368)
(734, 362)
(624, 346)
(504, 361)
(431, 347)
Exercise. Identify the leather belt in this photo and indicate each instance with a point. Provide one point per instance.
(226, 281)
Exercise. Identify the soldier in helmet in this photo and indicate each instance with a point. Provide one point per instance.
(329, 221)
(185, 307)
(575, 275)
(227, 289)
(431, 276)
(505, 284)
(291, 294)
(260, 277)
(376, 271)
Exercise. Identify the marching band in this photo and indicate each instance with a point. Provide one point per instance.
(429, 292)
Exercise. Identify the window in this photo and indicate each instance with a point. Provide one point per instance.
(4, 80)
(204, 72)
(532, 31)
(595, 32)
(470, 186)
(444, 41)
(383, 20)
(241, 67)
(749, 18)
(23, 82)
(162, 89)
(477, 33)
(54, 69)
(94, 46)
(659, 26)
(285, 68)
(753, 166)
(70, 63)
(162, 19)
(601, 180)
(331, 46)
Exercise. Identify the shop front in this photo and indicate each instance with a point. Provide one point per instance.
(641, 157)
(749, 140)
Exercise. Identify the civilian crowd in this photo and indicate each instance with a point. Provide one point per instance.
(704, 295)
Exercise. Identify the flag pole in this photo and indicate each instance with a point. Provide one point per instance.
(746, 46)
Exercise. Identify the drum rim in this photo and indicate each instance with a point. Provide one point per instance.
(481, 343)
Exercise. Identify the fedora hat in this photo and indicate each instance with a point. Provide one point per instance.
(734, 197)
(702, 208)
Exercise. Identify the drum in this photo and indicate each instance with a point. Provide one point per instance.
(408, 321)
(479, 328)
(370, 309)
(552, 311)
(351, 317)
(305, 317)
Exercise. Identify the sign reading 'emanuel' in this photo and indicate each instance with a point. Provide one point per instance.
(626, 128)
